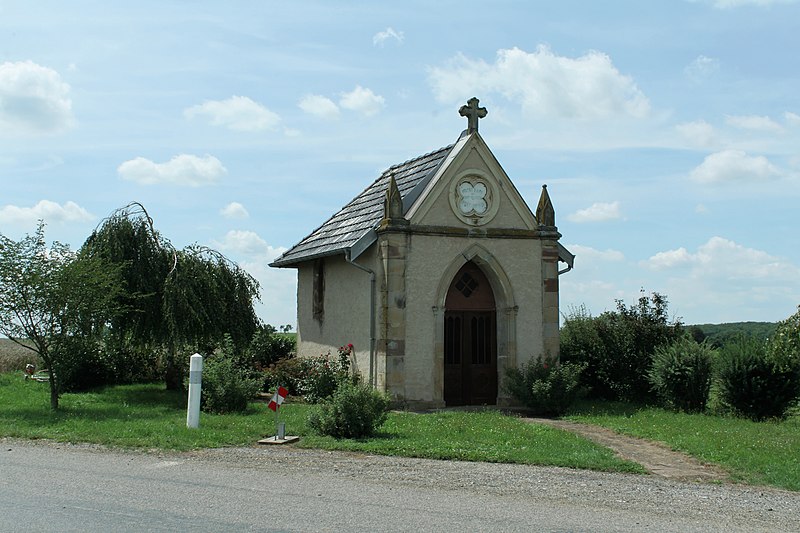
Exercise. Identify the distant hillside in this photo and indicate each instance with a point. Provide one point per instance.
(721, 334)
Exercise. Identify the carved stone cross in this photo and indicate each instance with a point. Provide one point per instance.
(473, 113)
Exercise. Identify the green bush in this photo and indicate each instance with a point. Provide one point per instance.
(618, 346)
(287, 373)
(784, 346)
(354, 411)
(753, 384)
(267, 347)
(545, 386)
(323, 375)
(82, 364)
(681, 374)
(226, 387)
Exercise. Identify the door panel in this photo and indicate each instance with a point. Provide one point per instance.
(470, 369)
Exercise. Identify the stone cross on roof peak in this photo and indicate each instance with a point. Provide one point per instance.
(473, 113)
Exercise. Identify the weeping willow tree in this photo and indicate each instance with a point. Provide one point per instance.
(175, 298)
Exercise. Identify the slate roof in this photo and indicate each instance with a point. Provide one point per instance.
(356, 220)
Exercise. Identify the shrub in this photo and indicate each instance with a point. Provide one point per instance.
(783, 347)
(226, 387)
(354, 411)
(545, 386)
(618, 346)
(323, 374)
(287, 373)
(267, 347)
(753, 384)
(681, 374)
(81, 365)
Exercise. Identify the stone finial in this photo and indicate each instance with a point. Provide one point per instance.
(545, 214)
(393, 205)
(473, 113)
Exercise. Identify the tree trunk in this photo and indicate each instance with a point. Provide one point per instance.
(53, 389)
(172, 375)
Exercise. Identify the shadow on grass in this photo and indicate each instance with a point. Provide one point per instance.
(605, 408)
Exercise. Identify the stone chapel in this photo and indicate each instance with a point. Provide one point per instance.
(438, 273)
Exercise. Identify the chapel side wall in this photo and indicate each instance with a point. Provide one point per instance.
(429, 257)
(347, 311)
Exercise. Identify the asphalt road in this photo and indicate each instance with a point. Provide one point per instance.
(58, 487)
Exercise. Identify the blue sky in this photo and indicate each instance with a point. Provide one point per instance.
(668, 132)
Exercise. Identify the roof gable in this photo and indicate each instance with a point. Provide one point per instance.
(356, 220)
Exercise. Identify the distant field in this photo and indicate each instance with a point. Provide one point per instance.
(13, 356)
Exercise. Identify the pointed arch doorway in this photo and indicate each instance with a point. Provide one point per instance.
(470, 339)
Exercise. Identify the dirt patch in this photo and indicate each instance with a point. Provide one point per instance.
(654, 457)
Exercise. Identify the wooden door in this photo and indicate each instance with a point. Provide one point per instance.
(470, 340)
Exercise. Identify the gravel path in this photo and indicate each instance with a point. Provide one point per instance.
(656, 458)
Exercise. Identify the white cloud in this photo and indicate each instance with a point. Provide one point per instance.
(793, 119)
(363, 101)
(380, 38)
(699, 133)
(182, 169)
(46, 210)
(544, 84)
(33, 99)
(234, 210)
(700, 209)
(248, 243)
(587, 253)
(729, 4)
(669, 259)
(701, 67)
(733, 165)
(597, 212)
(722, 260)
(237, 113)
(320, 106)
(753, 122)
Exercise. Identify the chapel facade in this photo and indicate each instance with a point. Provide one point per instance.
(438, 273)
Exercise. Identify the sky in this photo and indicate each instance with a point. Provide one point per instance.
(668, 132)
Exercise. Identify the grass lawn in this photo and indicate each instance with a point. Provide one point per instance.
(753, 452)
(146, 416)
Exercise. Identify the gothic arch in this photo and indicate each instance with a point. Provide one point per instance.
(506, 309)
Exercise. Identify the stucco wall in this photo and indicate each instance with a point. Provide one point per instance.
(347, 310)
(431, 256)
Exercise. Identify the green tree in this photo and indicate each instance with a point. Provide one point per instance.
(50, 296)
(174, 297)
(618, 346)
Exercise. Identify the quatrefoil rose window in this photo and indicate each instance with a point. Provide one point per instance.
(473, 197)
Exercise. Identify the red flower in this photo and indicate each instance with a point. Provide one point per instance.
(350, 346)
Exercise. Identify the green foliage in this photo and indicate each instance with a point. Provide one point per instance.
(617, 346)
(267, 347)
(681, 374)
(287, 373)
(323, 374)
(226, 387)
(50, 296)
(544, 386)
(174, 297)
(82, 364)
(718, 335)
(753, 384)
(354, 411)
(783, 347)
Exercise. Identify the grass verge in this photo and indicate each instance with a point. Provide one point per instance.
(146, 416)
(764, 453)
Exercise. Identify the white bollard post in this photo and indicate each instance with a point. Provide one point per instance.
(195, 386)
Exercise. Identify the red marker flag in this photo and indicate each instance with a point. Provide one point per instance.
(277, 398)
